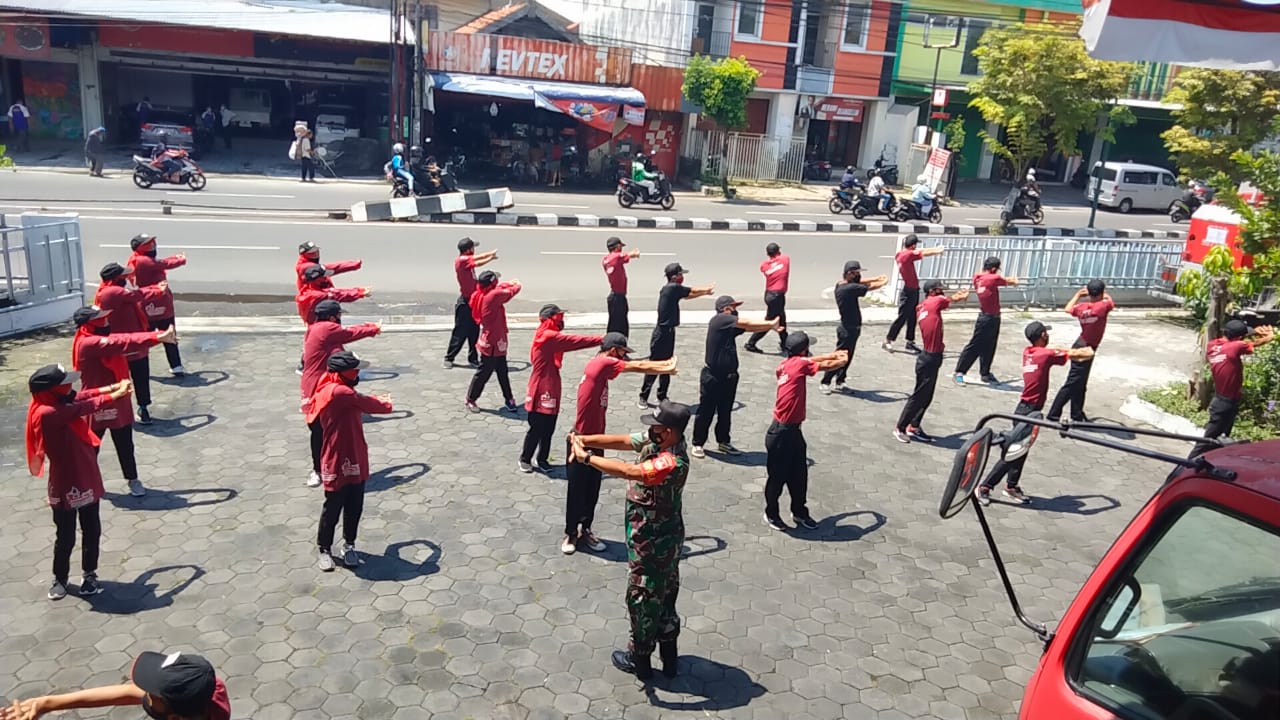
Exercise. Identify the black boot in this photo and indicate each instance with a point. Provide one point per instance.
(667, 651)
(634, 665)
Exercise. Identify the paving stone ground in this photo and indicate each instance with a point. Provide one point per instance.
(467, 609)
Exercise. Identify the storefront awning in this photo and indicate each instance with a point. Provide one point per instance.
(535, 91)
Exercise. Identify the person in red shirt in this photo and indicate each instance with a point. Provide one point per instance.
(465, 329)
(928, 361)
(542, 400)
(787, 456)
(344, 460)
(58, 431)
(489, 310)
(99, 356)
(1037, 360)
(615, 271)
(1226, 362)
(1092, 315)
(309, 254)
(325, 337)
(583, 485)
(127, 316)
(777, 276)
(986, 329)
(148, 271)
(909, 296)
(316, 286)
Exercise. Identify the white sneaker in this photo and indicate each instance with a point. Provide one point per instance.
(698, 451)
(178, 371)
(524, 467)
(314, 479)
(824, 388)
(888, 346)
(447, 365)
(568, 546)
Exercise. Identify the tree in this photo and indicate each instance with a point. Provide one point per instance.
(1260, 223)
(5, 160)
(1222, 112)
(720, 88)
(1039, 84)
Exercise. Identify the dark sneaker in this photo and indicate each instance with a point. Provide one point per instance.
(447, 364)
(510, 406)
(990, 379)
(474, 364)
(640, 667)
(913, 348)
(806, 523)
(753, 348)
(144, 415)
(984, 495)
(89, 586)
(350, 557)
(1016, 495)
(776, 524)
(587, 540)
(1081, 419)
(136, 488)
(57, 590)
(727, 449)
(325, 563)
(916, 433)
(298, 369)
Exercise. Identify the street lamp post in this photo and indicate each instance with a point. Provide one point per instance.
(1102, 164)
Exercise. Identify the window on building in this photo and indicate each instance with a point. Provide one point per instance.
(750, 15)
(974, 31)
(856, 19)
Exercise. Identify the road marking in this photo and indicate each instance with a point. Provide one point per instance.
(788, 214)
(202, 247)
(593, 253)
(567, 207)
(187, 193)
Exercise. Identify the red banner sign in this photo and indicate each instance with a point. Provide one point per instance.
(25, 37)
(601, 117)
(459, 52)
(565, 62)
(841, 109)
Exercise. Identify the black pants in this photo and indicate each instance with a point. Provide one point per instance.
(64, 522)
(846, 339)
(490, 364)
(171, 352)
(1011, 470)
(662, 346)
(927, 366)
(317, 444)
(465, 331)
(982, 346)
(95, 163)
(140, 373)
(1222, 418)
(788, 466)
(308, 169)
(122, 438)
(226, 136)
(618, 313)
(775, 306)
(1073, 388)
(581, 495)
(908, 299)
(542, 427)
(347, 501)
(716, 395)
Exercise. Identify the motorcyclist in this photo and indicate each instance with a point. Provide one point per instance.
(848, 180)
(165, 159)
(922, 195)
(875, 188)
(641, 176)
(1194, 196)
(1029, 193)
(399, 166)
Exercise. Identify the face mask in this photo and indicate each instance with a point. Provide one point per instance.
(102, 330)
(655, 436)
(560, 324)
(150, 253)
(352, 380)
(70, 396)
(118, 282)
(151, 711)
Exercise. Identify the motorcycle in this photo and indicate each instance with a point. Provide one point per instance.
(843, 198)
(1182, 209)
(888, 172)
(1017, 207)
(817, 170)
(631, 192)
(145, 174)
(425, 183)
(911, 210)
(864, 205)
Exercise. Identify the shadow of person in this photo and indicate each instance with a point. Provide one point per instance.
(173, 427)
(140, 595)
(831, 530)
(746, 458)
(878, 396)
(393, 415)
(703, 685)
(391, 566)
(1070, 504)
(947, 442)
(695, 545)
(199, 378)
(395, 476)
(378, 375)
(518, 366)
(171, 499)
(1118, 432)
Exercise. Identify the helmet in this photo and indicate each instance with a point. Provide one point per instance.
(415, 151)
(873, 173)
(640, 156)
(848, 169)
(398, 148)
(1031, 173)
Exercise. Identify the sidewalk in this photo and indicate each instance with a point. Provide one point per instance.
(980, 192)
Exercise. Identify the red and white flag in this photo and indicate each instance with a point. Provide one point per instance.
(1226, 34)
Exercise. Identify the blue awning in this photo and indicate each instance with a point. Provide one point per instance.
(535, 91)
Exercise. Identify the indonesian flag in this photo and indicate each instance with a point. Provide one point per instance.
(1224, 34)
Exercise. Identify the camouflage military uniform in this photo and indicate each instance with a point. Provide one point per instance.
(655, 535)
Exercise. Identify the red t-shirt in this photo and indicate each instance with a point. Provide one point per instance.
(906, 260)
(344, 458)
(309, 297)
(125, 305)
(988, 285)
(1227, 365)
(322, 340)
(929, 318)
(464, 266)
(89, 355)
(615, 268)
(337, 267)
(493, 320)
(543, 395)
(74, 478)
(793, 374)
(777, 273)
(1036, 362)
(593, 393)
(219, 705)
(1093, 320)
(149, 271)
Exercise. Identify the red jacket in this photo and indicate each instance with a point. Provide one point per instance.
(322, 340)
(74, 478)
(93, 356)
(344, 459)
(125, 305)
(490, 310)
(308, 297)
(338, 267)
(549, 347)
(149, 271)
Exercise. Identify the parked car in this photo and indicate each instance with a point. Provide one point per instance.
(177, 126)
(1129, 186)
(333, 124)
(252, 107)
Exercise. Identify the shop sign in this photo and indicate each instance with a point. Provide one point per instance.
(935, 169)
(599, 116)
(553, 60)
(25, 37)
(839, 109)
(458, 52)
(633, 115)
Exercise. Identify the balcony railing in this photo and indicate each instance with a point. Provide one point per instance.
(814, 80)
(715, 45)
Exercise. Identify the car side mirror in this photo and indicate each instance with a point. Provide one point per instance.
(966, 469)
(1117, 612)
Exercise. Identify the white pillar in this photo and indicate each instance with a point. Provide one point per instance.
(987, 159)
(782, 116)
(90, 87)
(875, 132)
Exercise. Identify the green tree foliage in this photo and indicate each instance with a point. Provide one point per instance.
(1260, 224)
(720, 88)
(5, 160)
(1222, 112)
(1039, 84)
(1194, 286)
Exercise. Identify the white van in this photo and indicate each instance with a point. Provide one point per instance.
(1128, 186)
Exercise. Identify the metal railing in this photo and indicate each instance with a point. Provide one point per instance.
(751, 157)
(43, 266)
(714, 45)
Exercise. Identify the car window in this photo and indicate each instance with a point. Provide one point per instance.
(1168, 180)
(1137, 177)
(1108, 174)
(1193, 631)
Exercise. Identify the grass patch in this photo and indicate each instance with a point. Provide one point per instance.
(1173, 399)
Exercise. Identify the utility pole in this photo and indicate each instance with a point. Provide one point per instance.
(947, 39)
(1102, 165)
(415, 112)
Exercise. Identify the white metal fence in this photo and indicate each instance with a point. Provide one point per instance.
(749, 157)
(43, 265)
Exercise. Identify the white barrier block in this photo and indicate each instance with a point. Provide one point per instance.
(464, 218)
(967, 229)
(736, 224)
(771, 225)
(700, 223)
(839, 226)
(588, 220)
(505, 219)
(404, 207)
(452, 202)
(937, 229)
(501, 198)
(627, 221)
(807, 225)
(547, 218)
(664, 223)
(358, 213)
(873, 226)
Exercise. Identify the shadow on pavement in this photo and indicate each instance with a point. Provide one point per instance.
(173, 427)
(877, 396)
(747, 458)
(948, 442)
(395, 476)
(171, 499)
(387, 417)
(200, 378)
(391, 567)
(1118, 432)
(1068, 504)
(695, 545)
(140, 595)
(378, 375)
(830, 529)
(713, 686)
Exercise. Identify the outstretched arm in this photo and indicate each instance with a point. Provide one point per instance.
(106, 696)
(759, 325)
(1080, 353)
(651, 367)
(602, 442)
(876, 283)
(1263, 335)
(831, 361)
(484, 258)
(927, 252)
(702, 291)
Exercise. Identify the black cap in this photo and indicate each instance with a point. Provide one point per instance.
(550, 310)
(674, 269)
(111, 271)
(668, 414)
(1235, 329)
(327, 308)
(772, 249)
(184, 681)
(991, 263)
(1035, 329)
(344, 360)
(911, 240)
(50, 377)
(88, 313)
(141, 239)
(797, 343)
(311, 273)
(725, 301)
(614, 340)
(466, 244)
(488, 277)
(1096, 288)
(852, 266)
(308, 247)
(613, 243)
(931, 285)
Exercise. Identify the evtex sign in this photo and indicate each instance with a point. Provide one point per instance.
(527, 63)
(527, 58)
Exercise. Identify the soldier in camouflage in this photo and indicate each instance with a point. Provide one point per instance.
(655, 530)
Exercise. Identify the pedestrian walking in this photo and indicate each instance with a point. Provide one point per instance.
(149, 271)
(301, 149)
(928, 361)
(20, 123)
(849, 289)
(662, 344)
(787, 459)
(228, 117)
(1226, 363)
(58, 431)
(1092, 315)
(909, 296)
(542, 400)
(465, 329)
(1037, 360)
(168, 686)
(99, 356)
(655, 530)
(95, 146)
(324, 337)
(344, 458)
(489, 310)
(583, 485)
(127, 316)
(615, 270)
(309, 254)
(986, 329)
(777, 276)
(317, 286)
(718, 384)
